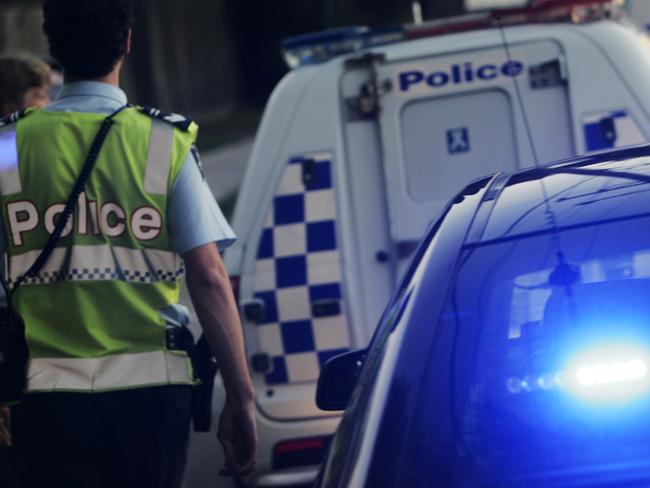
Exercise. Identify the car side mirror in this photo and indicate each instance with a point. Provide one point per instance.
(338, 379)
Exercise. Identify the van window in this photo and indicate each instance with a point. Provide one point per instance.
(446, 139)
(549, 368)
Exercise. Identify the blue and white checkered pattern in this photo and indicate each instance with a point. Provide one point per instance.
(298, 263)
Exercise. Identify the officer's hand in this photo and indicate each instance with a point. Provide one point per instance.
(5, 426)
(238, 436)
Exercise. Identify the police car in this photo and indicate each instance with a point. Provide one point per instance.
(517, 350)
(363, 143)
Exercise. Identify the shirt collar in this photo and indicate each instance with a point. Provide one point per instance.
(93, 89)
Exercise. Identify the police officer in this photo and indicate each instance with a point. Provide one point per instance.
(108, 402)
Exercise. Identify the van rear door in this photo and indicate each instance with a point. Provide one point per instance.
(447, 120)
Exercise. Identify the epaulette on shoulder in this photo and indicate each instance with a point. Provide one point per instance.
(178, 121)
(15, 117)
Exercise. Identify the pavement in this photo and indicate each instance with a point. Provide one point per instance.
(224, 170)
(224, 167)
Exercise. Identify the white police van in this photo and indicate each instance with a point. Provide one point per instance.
(370, 135)
(639, 12)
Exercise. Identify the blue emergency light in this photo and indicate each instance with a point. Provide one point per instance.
(320, 46)
(608, 374)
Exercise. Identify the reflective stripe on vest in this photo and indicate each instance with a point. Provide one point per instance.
(158, 157)
(9, 176)
(99, 263)
(114, 372)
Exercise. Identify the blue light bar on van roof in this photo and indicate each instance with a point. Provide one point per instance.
(322, 46)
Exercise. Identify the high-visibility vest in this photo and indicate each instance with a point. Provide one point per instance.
(92, 314)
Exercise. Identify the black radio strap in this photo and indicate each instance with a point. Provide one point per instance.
(52, 241)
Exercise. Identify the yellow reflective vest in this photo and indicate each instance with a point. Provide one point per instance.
(92, 313)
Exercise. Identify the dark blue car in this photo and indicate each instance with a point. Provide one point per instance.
(516, 352)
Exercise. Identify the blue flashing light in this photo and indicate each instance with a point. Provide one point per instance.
(320, 46)
(607, 375)
(384, 35)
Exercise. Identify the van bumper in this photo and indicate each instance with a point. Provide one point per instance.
(272, 432)
(295, 477)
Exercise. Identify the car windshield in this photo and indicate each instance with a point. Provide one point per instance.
(545, 343)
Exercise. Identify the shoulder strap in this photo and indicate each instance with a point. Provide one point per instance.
(178, 121)
(16, 116)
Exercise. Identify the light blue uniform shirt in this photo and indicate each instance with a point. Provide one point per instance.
(194, 217)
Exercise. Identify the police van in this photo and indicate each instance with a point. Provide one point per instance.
(369, 135)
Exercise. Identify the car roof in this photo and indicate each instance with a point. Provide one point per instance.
(586, 190)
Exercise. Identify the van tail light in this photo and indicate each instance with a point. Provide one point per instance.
(300, 452)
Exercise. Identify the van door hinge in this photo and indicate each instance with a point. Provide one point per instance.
(548, 74)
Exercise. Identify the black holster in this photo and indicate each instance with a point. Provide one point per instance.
(205, 369)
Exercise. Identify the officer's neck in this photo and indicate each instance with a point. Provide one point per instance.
(112, 78)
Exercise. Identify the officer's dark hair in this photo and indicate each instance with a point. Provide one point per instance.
(88, 37)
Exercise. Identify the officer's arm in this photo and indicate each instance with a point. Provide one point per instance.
(209, 287)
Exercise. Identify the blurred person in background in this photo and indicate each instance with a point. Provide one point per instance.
(24, 82)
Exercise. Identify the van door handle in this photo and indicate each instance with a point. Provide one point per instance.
(254, 310)
(328, 307)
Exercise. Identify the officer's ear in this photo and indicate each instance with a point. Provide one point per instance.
(128, 42)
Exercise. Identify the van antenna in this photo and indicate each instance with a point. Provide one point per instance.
(564, 274)
(520, 98)
(416, 7)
